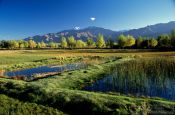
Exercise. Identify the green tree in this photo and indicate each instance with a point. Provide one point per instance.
(139, 42)
(52, 45)
(109, 43)
(100, 41)
(38, 45)
(130, 41)
(126, 41)
(71, 42)
(122, 41)
(13, 44)
(80, 44)
(90, 42)
(63, 42)
(153, 43)
(21, 44)
(26, 44)
(172, 37)
(4, 44)
(164, 41)
(32, 44)
(145, 43)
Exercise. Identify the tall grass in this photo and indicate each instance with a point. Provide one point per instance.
(57, 92)
(150, 67)
(60, 91)
(142, 77)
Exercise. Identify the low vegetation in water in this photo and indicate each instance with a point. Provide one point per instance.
(153, 77)
(64, 92)
(150, 67)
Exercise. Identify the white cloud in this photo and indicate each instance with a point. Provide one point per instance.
(76, 28)
(93, 18)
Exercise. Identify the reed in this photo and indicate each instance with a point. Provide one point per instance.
(150, 67)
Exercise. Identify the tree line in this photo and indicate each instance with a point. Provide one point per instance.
(122, 41)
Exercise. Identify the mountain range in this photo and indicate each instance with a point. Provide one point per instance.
(92, 32)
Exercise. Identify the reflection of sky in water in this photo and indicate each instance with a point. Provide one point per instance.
(45, 69)
(139, 86)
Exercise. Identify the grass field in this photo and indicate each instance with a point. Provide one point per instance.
(14, 59)
(65, 92)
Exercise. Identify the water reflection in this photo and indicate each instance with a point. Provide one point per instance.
(45, 69)
(139, 85)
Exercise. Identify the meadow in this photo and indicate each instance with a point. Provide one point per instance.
(65, 94)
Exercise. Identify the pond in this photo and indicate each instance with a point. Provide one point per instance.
(138, 82)
(45, 69)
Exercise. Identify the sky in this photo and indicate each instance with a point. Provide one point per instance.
(23, 18)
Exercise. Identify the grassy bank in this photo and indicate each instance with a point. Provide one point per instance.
(83, 102)
(78, 78)
(10, 106)
(64, 93)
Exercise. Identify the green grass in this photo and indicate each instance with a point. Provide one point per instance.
(64, 92)
(10, 106)
(79, 102)
(14, 60)
(78, 78)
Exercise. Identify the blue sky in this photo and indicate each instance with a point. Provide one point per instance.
(23, 18)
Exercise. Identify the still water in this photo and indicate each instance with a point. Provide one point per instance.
(139, 85)
(45, 69)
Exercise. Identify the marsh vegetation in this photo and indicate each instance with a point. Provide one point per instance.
(136, 72)
(154, 77)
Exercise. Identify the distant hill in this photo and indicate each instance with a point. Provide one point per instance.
(83, 34)
(152, 30)
(92, 32)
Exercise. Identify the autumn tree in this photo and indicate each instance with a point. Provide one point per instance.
(126, 41)
(130, 41)
(13, 44)
(21, 44)
(100, 41)
(63, 42)
(71, 42)
(32, 44)
(80, 44)
(43, 44)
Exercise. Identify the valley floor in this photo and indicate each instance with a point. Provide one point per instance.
(64, 94)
